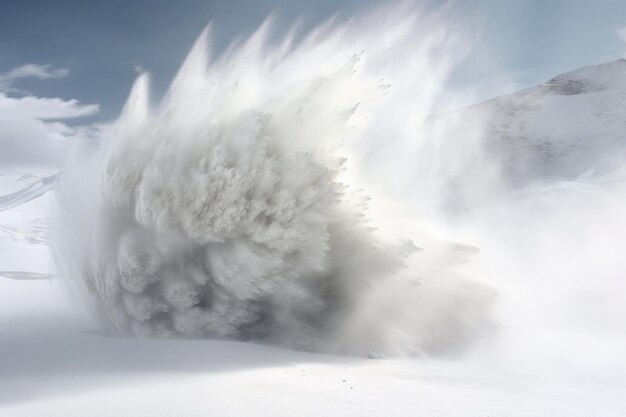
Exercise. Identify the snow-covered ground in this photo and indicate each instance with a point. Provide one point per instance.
(54, 364)
(25, 231)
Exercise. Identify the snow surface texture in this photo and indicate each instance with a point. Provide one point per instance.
(26, 211)
(33, 191)
(233, 208)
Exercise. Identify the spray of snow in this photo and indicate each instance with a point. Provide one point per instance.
(536, 179)
(239, 207)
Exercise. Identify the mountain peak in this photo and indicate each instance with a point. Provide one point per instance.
(588, 79)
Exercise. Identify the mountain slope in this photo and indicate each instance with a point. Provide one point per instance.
(573, 125)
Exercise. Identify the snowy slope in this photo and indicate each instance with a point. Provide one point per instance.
(29, 193)
(565, 127)
(26, 210)
(572, 126)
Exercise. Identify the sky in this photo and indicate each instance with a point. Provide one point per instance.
(91, 50)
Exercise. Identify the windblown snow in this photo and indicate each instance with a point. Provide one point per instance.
(233, 209)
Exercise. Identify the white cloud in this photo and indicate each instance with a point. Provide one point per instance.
(43, 108)
(40, 72)
(33, 129)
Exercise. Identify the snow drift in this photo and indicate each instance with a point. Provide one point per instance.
(235, 208)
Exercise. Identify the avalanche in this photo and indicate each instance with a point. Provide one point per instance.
(235, 208)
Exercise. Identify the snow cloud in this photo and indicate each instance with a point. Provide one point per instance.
(31, 127)
(235, 208)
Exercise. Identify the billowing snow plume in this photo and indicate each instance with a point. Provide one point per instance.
(234, 209)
